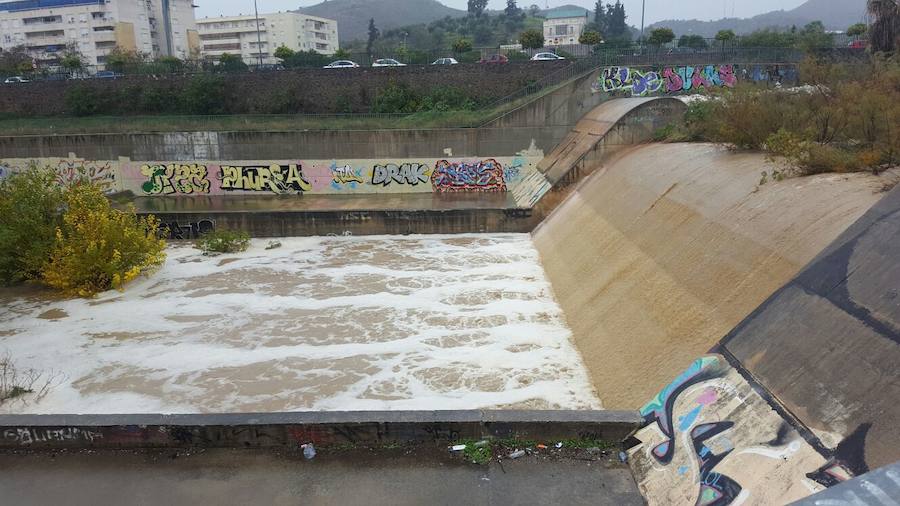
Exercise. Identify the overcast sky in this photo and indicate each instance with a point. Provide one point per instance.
(656, 9)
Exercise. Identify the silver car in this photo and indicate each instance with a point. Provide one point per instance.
(546, 57)
(16, 79)
(341, 64)
(387, 62)
(445, 61)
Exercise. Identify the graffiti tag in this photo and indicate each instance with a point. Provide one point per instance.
(640, 83)
(175, 178)
(483, 176)
(278, 179)
(25, 436)
(406, 173)
(193, 230)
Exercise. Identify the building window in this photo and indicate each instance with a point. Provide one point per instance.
(562, 29)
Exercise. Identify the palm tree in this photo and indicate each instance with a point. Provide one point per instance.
(885, 31)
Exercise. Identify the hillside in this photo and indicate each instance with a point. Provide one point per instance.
(835, 14)
(353, 15)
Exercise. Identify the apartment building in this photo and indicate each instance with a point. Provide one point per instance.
(237, 35)
(94, 27)
(564, 27)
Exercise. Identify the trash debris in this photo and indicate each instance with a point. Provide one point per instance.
(482, 443)
(273, 245)
(559, 445)
(457, 448)
(541, 447)
(516, 454)
(623, 457)
(309, 451)
(593, 450)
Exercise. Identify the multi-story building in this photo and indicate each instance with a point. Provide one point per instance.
(238, 35)
(563, 27)
(46, 28)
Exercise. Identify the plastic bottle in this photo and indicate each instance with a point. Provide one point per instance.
(309, 451)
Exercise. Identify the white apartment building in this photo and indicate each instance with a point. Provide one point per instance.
(46, 27)
(237, 35)
(563, 27)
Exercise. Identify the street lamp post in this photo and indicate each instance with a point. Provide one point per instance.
(258, 35)
(643, 8)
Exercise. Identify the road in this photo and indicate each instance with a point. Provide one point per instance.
(262, 477)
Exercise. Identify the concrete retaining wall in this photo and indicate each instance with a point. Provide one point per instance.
(322, 428)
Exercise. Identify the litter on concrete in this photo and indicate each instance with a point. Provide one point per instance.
(457, 448)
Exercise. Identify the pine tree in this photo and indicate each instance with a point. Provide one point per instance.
(373, 36)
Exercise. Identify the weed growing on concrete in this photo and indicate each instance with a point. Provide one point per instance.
(15, 383)
(223, 241)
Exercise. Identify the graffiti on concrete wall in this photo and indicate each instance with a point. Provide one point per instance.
(175, 178)
(345, 175)
(28, 436)
(710, 439)
(192, 230)
(275, 178)
(405, 173)
(480, 176)
(101, 174)
(644, 82)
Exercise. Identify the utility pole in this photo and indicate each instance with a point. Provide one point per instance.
(258, 35)
(643, 8)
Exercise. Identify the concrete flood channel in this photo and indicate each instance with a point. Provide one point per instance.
(662, 278)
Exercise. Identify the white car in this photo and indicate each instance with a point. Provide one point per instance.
(445, 61)
(16, 79)
(341, 64)
(387, 62)
(546, 57)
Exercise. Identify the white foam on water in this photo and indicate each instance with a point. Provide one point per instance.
(325, 323)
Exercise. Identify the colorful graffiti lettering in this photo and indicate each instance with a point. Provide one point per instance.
(278, 179)
(640, 83)
(186, 179)
(101, 174)
(406, 173)
(345, 175)
(712, 414)
(482, 176)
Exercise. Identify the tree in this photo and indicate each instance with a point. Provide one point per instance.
(284, 53)
(695, 42)
(462, 46)
(534, 10)
(512, 10)
(476, 7)
(120, 60)
(616, 30)
(590, 37)
(857, 29)
(724, 36)
(814, 36)
(601, 19)
(660, 36)
(884, 34)
(15, 60)
(373, 36)
(532, 39)
(231, 63)
(341, 54)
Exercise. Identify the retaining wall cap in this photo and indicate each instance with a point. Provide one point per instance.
(324, 417)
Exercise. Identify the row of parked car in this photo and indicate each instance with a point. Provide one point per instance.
(390, 62)
(103, 74)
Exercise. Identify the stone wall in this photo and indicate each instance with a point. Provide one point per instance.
(289, 91)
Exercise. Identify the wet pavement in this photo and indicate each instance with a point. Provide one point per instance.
(397, 476)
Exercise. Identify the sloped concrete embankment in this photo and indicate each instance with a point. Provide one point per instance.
(666, 248)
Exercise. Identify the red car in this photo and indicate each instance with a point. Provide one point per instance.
(859, 44)
(495, 58)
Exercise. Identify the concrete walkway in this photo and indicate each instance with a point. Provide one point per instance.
(243, 476)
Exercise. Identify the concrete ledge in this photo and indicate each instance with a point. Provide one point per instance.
(322, 428)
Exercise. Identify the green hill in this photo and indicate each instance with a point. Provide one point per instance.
(353, 15)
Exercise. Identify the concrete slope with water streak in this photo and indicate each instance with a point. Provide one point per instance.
(665, 248)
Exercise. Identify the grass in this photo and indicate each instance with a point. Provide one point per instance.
(261, 122)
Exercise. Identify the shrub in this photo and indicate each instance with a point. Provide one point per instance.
(532, 39)
(82, 100)
(205, 94)
(98, 247)
(30, 204)
(223, 241)
(590, 37)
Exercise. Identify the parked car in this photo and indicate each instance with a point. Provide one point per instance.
(387, 62)
(546, 57)
(341, 64)
(267, 67)
(495, 59)
(445, 61)
(16, 79)
(858, 44)
(107, 74)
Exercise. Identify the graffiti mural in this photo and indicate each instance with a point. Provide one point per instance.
(405, 173)
(186, 179)
(479, 176)
(345, 175)
(101, 174)
(710, 439)
(277, 179)
(640, 83)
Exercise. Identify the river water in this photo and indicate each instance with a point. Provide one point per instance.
(323, 323)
